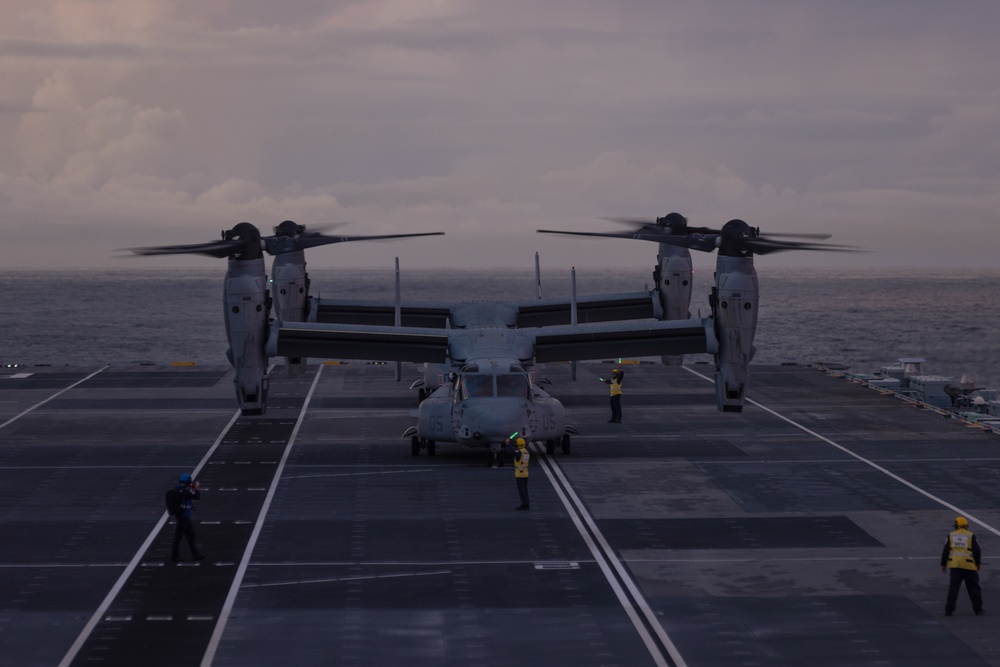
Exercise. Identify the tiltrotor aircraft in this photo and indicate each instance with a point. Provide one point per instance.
(247, 301)
(481, 358)
(734, 297)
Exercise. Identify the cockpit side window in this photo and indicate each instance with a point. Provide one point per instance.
(515, 386)
(477, 386)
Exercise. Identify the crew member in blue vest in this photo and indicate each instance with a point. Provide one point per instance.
(521, 459)
(617, 375)
(189, 492)
(962, 557)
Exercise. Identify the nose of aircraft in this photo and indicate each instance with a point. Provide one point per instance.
(492, 420)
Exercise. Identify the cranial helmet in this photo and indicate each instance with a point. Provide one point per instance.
(520, 442)
(961, 522)
(184, 479)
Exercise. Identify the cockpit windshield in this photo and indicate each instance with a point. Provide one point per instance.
(477, 386)
(481, 385)
(515, 386)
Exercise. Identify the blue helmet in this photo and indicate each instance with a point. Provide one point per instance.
(184, 479)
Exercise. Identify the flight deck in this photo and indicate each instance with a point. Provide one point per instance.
(805, 530)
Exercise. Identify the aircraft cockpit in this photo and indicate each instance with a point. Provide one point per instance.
(474, 383)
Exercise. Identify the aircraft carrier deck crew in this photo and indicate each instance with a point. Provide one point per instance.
(521, 459)
(962, 556)
(617, 375)
(189, 492)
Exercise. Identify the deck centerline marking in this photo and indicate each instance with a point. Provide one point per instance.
(634, 602)
(361, 474)
(227, 607)
(136, 561)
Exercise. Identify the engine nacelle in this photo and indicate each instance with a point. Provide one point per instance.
(290, 290)
(290, 286)
(247, 305)
(673, 278)
(734, 305)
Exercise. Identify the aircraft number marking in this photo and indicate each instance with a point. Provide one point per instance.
(437, 423)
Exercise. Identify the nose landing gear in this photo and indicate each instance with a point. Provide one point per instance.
(416, 444)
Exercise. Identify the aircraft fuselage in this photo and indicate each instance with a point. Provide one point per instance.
(485, 404)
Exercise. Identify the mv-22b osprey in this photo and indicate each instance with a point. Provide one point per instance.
(479, 386)
(485, 354)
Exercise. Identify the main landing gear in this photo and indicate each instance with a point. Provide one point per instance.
(550, 445)
(416, 444)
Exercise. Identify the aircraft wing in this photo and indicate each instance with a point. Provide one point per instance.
(625, 339)
(430, 315)
(594, 308)
(338, 341)
(556, 343)
(526, 314)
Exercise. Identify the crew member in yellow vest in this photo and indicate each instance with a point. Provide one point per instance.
(521, 459)
(617, 375)
(962, 557)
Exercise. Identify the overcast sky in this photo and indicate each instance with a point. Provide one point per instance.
(144, 122)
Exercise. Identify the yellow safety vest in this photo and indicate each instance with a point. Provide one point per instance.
(521, 466)
(960, 554)
(616, 388)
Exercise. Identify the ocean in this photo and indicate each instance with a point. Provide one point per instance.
(863, 319)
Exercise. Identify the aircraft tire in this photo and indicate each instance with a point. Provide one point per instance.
(431, 448)
(565, 444)
(415, 446)
(550, 447)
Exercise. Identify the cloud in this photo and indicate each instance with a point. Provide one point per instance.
(136, 122)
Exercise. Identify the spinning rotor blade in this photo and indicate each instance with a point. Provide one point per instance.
(290, 236)
(313, 239)
(736, 238)
(764, 246)
(218, 249)
(293, 229)
(672, 223)
(240, 242)
(245, 242)
(610, 235)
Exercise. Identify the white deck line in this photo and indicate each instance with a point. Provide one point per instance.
(53, 396)
(134, 563)
(868, 462)
(227, 607)
(606, 559)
